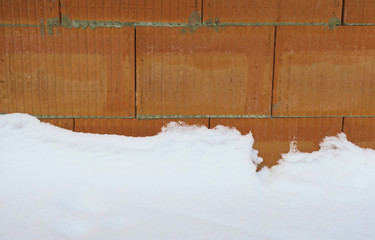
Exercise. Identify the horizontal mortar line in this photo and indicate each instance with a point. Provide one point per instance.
(67, 23)
(225, 24)
(170, 25)
(359, 24)
(186, 25)
(95, 24)
(110, 24)
(84, 117)
(331, 116)
(21, 25)
(237, 116)
(151, 116)
(142, 116)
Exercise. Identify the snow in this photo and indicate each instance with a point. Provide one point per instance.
(188, 182)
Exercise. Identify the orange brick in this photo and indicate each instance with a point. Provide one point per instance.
(129, 127)
(131, 10)
(271, 11)
(360, 131)
(319, 72)
(73, 73)
(273, 135)
(359, 11)
(204, 73)
(32, 12)
(66, 123)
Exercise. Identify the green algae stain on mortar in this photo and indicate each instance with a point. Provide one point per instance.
(333, 22)
(194, 21)
(41, 27)
(65, 21)
(215, 25)
(51, 23)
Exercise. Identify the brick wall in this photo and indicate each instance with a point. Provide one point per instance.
(284, 70)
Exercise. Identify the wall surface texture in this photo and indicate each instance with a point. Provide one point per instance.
(284, 70)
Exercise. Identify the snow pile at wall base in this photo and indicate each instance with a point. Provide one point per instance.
(188, 182)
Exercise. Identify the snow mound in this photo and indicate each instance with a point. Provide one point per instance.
(187, 182)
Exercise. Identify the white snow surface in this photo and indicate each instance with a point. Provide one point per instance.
(188, 182)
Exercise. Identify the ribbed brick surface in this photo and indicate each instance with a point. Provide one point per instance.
(131, 10)
(31, 12)
(203, 70)
(204, 73)
(360, 131)
(75, 72)
(319, 72)
(130, 127)
(66, 123)
(273, 135)
(269, 11)
(359, 11)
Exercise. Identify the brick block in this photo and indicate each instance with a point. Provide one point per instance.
(272, 11)
(204, 73)
(67, 123)
(359, 11)
(129, 127)
(360, 131)
(131, 10)
(72, 73)
(273, 135)
(31, 12)
(319, 72)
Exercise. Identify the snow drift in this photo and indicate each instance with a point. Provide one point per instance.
(188, 182)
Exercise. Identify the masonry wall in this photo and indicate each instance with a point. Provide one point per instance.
(284, 70)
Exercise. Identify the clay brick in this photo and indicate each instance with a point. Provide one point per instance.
(272, 11)
(129, 127)
(273, 135)
(66, 123)
(31, 12)
(319, 72)
(73, 73)
(359, 11)
(360, 131)
(131, 10)
(204, 73)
